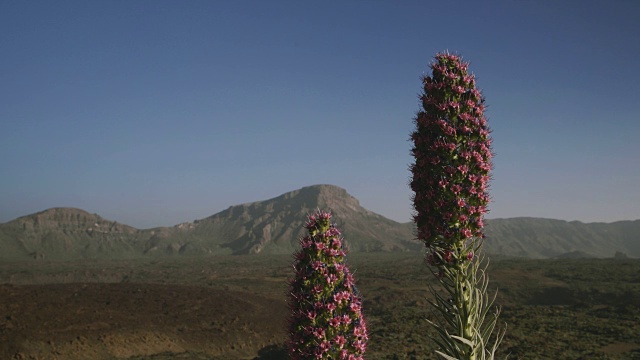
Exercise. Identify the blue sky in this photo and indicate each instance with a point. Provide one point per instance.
(152, 113)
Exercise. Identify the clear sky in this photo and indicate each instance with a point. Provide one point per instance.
(152, 113)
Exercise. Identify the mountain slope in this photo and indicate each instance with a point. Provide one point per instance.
(61, 233)
(545, 238)
(275, 225)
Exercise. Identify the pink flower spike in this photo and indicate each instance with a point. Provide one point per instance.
(322, 298)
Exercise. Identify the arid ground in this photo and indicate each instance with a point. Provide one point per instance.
(234, 307)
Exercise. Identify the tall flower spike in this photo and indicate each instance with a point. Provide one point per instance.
(452, 151)
(326, 319)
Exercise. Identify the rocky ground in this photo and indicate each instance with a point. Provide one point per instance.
(124, 320)
(234, 307)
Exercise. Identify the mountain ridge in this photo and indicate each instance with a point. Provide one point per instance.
(275, 225)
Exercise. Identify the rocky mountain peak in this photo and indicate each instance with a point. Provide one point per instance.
(321, 196)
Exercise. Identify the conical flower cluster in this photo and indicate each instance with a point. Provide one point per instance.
(452, 151)
(326, 316)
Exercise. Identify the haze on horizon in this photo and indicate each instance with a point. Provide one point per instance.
(152, 113)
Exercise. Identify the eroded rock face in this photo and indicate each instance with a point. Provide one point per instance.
(274, 225)
(69, 220)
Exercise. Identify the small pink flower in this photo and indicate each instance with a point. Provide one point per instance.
(348, 280)
(319, 333)
(359, 332)
(330, 306)
(449, 130)
(451, 75)
(332, 232)
(311, 222)
(311, 315)
(340, 341)
(360, 345)
(331, 278)
(334, 322)
(325, 346)
(468, 79)
(305, 242)
(447, 256)
(332, 252)
(355, 307)
(324, 215)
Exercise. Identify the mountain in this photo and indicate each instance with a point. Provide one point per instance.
(546, 238)
(62, 233)
(270, 226)
(275, 225)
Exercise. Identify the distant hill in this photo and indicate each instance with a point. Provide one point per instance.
(274, 226)
(270, 226)
(63, 233)
(546, 238)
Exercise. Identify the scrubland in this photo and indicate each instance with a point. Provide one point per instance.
(234, 307)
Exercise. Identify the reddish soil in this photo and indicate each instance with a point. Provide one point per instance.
(133, 320)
